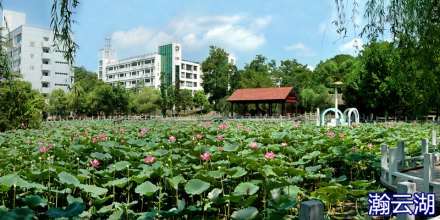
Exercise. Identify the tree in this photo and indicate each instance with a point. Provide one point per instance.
(186, 97)
(25, 108)
(57, 102)
(121, 98)
(147, 100)
(177, 96)
(76, 100)
(216, 73)
(200, 99)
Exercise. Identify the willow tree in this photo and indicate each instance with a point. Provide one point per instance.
(414, 26)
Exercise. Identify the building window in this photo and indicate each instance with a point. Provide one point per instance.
(110, 68)
(46, 39)
(107, 55)
(148, 61)
(61, 73)
(188, 84)
(195, 68)
(16, 62)
(133, 82)
(45, 85)
(195, 84)
(177, 58)
(32, 56)
(18, 38)
(17, 51)
(61, 85)
(45, 61)
(147, 80)
(133, 73)
(121, 75)
(121, 66)
(32, 44)
(188, 75)
(59, 62)
(45, 50)
(182, 75)
(110, 76)
(195, 76)
(134, 64)
(47, 74)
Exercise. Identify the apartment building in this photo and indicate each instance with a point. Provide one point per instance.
(146, 68)
(35, 56)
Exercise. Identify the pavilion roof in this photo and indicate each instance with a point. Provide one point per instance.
(263, 94)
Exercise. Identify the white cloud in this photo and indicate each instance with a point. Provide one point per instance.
(352, 47)
(236, 33)
(310, 67)
(301, 50)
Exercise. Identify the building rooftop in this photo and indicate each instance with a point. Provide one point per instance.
(262, 94)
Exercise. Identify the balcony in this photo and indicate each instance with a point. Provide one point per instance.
(46, 44)
(45, 67)
(45, 78)
(45, 90)
(46, 56)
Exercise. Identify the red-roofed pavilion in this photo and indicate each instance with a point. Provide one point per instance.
(281, 95)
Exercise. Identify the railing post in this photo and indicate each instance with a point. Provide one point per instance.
(317, 117)
(393, 166)
(400, 155)
(311, 210)
(406, 188)
(428, 172)
(424, 146)
(434, 139)
(384, 161)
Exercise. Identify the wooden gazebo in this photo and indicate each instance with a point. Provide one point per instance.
(281, 95)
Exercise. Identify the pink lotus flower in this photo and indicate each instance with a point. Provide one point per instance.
(365, 121)
(354, 148)
(263, 124)
(370, 146)
(192, 140)
(351, 127)
(284, 144)
(202, 125)
(219, 137)
(269, 155)
(221, 148)
(271, 124)
(43, 149)
(95, 163)
(253, 145)
(387, 126)
(331, 134)
(49, 145)
(94, 140)
(205, 156)
(247, 129)
(22, 124)
(381, 123)
(394, 123)
(90, 202)
(142, 133)
(199, 136)
(122, 130)
(116, 132)
(103, 139)
(41, 140)
(21, 134)
(400, 124)
(28, 142)
(149, 159)
(192, 127)
(207, 124)
(122, 141)
(341, 135)
(248, 190)
(36, 132)
(222, 126)
(86, 134)
(74, 138)
(239, 126)
(353, 124)
(172, 139)
(295, 125)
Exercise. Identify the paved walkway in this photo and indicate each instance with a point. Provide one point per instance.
(419, 186)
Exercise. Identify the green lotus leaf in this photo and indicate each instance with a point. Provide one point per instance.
(147, 188)
(174, 182)
(71, 199)
(249, 213)
(196, 186)
(100, 156)
(72, 210)
(19, 214)
(242, 188)
(68, 179)
(93, 189)
(33, 201)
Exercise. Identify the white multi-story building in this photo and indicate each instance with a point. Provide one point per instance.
(146, 69)
(34, 56)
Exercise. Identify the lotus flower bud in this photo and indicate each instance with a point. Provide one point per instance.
(219, 167)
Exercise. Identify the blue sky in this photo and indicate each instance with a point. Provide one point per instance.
(278, 30)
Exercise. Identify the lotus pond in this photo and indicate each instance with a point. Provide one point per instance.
(194, 170)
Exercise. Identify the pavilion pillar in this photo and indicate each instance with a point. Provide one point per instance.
(284, 109)
(258, 108)
(270, 109)
(296, 108)
(232, 109)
